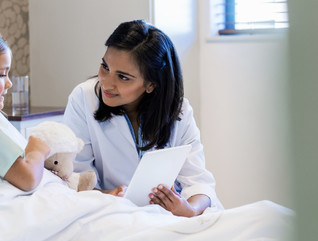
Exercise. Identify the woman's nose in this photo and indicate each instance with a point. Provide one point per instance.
(107, 81)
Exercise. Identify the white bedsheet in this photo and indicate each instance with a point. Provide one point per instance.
(55, 212)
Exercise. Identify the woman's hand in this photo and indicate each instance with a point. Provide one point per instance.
(119, 191)
(172, 201)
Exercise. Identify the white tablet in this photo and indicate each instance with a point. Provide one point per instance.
(156, 167)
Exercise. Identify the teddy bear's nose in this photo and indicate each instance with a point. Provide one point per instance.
(56, 162)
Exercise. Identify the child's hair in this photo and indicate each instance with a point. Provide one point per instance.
(3, 45)
(159, 64)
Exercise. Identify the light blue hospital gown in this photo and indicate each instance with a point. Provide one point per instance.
(12, 145)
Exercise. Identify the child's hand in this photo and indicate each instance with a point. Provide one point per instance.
(37, 145)
(26, 173)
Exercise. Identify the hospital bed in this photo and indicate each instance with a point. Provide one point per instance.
(55, 212)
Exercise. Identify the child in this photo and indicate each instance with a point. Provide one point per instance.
(21, 167)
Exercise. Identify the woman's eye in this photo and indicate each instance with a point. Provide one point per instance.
(123, 77)
(104, 66)
(3, 75)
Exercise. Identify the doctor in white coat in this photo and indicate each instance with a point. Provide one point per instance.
(134, 105)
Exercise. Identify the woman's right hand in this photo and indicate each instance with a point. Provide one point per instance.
(119, 191)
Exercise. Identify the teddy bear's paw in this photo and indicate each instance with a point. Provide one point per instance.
(87, 181)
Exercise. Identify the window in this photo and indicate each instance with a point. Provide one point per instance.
(248, 16)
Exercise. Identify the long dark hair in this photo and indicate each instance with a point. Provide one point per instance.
(159, 64)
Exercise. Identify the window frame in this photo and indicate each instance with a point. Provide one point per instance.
(229, 23)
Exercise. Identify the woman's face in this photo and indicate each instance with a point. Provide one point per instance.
(5, 82)
(121, 81)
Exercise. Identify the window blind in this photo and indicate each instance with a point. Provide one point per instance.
(249, 16)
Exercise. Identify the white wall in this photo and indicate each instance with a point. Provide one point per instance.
(243, 115)
(67, 42)
(179, 20)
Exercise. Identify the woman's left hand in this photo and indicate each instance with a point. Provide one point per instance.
(172, 201)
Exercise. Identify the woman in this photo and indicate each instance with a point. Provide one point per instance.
(134, 105)
(21, 167)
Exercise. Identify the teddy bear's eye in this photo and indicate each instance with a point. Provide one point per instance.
(56, 162)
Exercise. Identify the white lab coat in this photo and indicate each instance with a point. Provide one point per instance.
(111, 150)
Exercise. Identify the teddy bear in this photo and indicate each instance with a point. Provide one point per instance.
(64, 147)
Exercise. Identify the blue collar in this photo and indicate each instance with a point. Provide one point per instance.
(140, 152)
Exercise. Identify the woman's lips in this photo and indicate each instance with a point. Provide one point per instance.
(109, 95)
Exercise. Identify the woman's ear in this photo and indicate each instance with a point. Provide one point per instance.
(150, 87)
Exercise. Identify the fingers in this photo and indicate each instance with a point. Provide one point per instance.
(156, 200)
(163, 193)
(37, 144)
(172, 201)
(163, 196)
(121, 190)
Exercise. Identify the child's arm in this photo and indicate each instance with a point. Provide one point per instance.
(26, 173)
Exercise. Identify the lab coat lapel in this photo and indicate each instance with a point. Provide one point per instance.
(122, 130)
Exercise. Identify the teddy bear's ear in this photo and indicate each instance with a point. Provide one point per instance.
(80, 144)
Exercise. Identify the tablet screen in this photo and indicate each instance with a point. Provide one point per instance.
(156, 167)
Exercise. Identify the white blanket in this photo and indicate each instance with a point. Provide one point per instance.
(55, 212)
